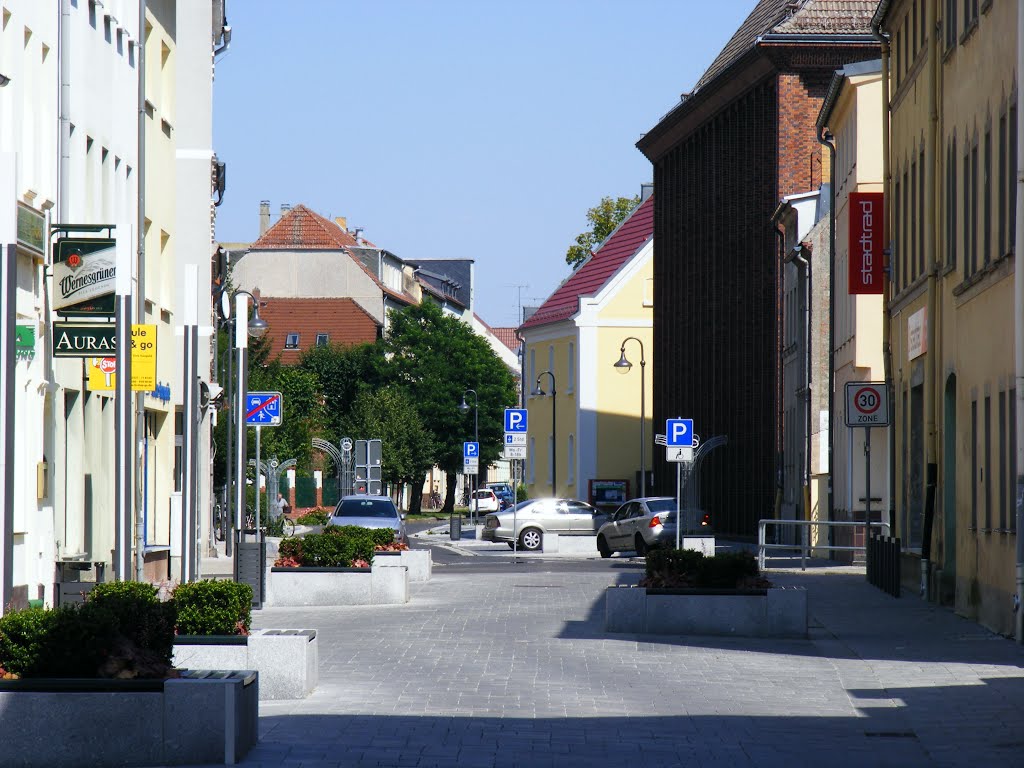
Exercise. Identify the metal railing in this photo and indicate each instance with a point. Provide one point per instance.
(805, 546)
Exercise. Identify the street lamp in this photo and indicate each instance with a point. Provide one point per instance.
(464, 407)
(256, 328)
(624, 366)
(554, 435)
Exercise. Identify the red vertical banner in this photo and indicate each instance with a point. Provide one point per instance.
(866, 244)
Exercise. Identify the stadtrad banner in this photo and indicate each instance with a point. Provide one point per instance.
(866, 244)
(83, 276)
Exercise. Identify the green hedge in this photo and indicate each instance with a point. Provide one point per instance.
(337, 547)
(121, 630)
(213, 608)
(687, 567)
(316, 517)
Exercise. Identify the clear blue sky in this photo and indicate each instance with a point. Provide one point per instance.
(454, 128)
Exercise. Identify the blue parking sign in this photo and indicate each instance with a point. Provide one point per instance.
(515, 420)
(679, 433)
(470, 450)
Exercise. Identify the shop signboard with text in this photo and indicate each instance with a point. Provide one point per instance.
(866, 274)
(84, 270)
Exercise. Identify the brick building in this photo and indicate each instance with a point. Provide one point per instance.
(723, 157)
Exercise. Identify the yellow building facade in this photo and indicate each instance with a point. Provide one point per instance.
(585, 441)
(951, 189)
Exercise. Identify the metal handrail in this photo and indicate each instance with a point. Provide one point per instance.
(804, 546)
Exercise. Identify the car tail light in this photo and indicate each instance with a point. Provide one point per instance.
(655, 522)
(706, 520)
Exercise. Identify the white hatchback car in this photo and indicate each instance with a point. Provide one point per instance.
(485, 500)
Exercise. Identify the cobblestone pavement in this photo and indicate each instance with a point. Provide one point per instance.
(514, 668)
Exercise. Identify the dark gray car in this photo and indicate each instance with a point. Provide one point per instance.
(370, 512)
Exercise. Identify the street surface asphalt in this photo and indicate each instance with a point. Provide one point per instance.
(504, 661)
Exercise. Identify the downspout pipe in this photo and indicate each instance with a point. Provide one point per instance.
(780, 236)
(140, 296)
(883, 38)
(1018, 317)
(797, 255)
(825, 139)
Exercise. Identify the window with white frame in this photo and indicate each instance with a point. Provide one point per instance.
(291, 341)
(322, 339)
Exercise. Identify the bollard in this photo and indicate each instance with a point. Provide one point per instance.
(455, 527)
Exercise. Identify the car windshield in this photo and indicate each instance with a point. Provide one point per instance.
(365, 508)
(662, 505)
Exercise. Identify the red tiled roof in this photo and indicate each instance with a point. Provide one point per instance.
(591, 277)
(303, 229)
(343, 320)
(792, 17)
(507, 336)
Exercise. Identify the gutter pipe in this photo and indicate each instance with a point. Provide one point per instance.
(1018, 316)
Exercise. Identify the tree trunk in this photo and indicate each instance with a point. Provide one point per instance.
(449, 495)
(415, 498)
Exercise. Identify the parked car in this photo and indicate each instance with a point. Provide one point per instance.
(535, 517)
(504, 499)
(500, 488)
(485, 500)
(370, 512)
(643, 524)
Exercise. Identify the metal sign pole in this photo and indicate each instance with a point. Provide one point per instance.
(515, 505)
(867, 486)
(257, 513)
(679, 505)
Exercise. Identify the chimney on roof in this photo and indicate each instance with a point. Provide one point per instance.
(285, 207)
(646, 190)
(357, 234)
(342, 222)
(264, 216)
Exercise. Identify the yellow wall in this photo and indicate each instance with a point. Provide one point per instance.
(551, 353)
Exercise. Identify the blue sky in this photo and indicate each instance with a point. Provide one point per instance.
(454, 128)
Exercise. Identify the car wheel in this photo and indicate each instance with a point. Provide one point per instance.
(602, 547)
(531, 539)
(640, 546)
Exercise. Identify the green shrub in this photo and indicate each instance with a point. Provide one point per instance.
(136, 614)
(316, 517)
(690, 568)
(290, 547)
(274, 527)
(382, 536)
(213, 608)
(22, 638)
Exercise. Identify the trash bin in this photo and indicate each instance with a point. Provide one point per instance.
(455, 527)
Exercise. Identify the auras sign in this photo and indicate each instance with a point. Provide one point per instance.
(84, 340)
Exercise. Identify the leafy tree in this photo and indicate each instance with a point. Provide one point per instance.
(407, 447)
(435, 358)
(342, 373)
(604, 218)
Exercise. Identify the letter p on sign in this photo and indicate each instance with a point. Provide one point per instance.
(679, 433)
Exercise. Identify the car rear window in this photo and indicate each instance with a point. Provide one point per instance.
(365, 508)
(662, 505)
(483, 494)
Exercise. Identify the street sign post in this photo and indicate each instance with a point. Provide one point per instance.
(263, 409)
(679, 433)
(680, 454)
(470, 458)
(867, 406)
(514, 452)
(515, 420)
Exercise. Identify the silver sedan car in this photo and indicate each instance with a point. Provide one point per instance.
(639, 525)
(370, 512)
(535, 517)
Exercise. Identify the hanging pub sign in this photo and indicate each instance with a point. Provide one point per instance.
(84, 269)
(866, 244)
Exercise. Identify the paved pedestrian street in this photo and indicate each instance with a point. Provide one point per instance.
(514, 668)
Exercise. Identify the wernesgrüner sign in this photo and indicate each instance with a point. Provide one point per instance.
(84, 339)
(84, 270)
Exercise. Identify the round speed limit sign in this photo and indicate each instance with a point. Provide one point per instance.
(867, 404)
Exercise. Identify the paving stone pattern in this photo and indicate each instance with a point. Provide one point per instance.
(517, 670)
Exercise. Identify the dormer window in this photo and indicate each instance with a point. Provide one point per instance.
(322, 339)
(291, 341)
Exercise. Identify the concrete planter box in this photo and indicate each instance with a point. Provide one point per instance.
(286, 659)
(416, 560)
(203, 718)
(774, 612)
(378, 585)
(554, 543)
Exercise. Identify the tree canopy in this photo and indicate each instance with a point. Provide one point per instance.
(604, 218)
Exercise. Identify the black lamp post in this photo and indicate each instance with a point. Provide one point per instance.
(623, 366)
(554, 433)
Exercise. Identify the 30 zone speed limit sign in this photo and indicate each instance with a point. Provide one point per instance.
(867, 404)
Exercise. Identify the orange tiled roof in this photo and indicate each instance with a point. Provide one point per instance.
(507, 336)
(342, 319)
(303, 229)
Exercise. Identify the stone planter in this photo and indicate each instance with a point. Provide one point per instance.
(379, 585)
(418, 562)
(202, 718)
(774, 612)
(286, 659)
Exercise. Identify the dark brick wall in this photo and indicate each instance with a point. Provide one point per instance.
(800, 100)
(714, 308)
